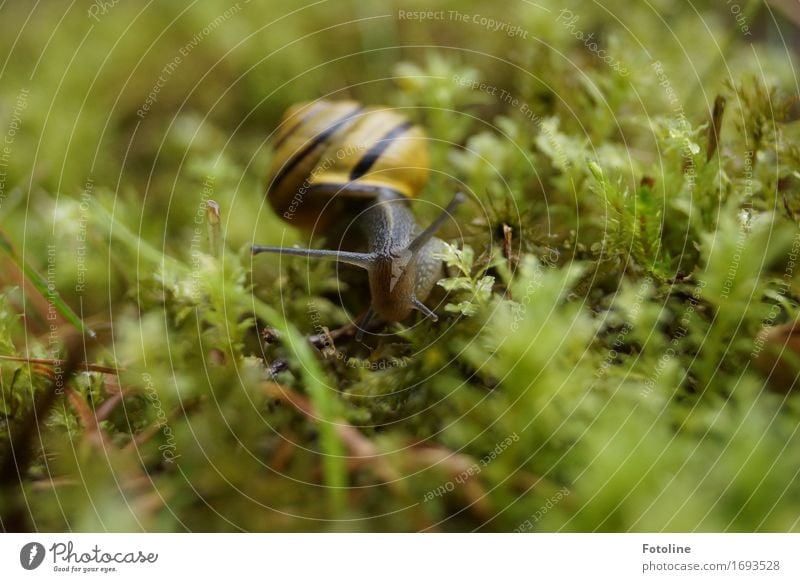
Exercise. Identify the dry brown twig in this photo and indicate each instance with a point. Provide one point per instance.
(363, 451)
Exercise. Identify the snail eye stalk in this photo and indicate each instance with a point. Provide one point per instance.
(427, 234)
(363, 260)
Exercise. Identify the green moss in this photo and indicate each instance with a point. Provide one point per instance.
(592, 368)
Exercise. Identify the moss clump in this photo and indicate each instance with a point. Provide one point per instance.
(609, 289)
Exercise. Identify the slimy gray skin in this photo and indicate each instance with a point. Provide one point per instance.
(399, 258)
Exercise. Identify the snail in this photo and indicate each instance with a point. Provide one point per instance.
(348, 170)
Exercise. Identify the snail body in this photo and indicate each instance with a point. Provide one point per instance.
(343, 168)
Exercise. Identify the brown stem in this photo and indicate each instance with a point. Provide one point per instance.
(716, 127)
(14, 465)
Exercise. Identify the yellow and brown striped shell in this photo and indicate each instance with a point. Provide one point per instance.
(326, 148)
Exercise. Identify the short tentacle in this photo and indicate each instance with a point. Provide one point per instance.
(420, 306)
(364, 323)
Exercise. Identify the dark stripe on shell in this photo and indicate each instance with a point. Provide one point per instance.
(376, 151)
(321, 137)
(311, 112)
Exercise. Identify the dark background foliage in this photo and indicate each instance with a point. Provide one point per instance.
(601, 366)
